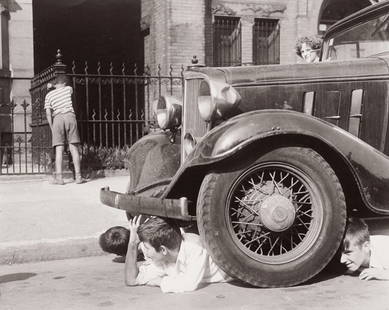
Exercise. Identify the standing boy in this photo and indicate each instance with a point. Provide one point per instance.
(365, 254)
(63, 124)
(176, 262)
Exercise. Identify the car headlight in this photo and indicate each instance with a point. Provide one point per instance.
(168, 112)
(217, 101)
(205, 103)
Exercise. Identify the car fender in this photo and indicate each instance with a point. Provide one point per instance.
(231, 137)
(153, 161)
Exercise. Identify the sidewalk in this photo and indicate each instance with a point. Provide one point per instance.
(41, 221)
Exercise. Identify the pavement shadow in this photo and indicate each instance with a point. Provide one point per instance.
(16, 277)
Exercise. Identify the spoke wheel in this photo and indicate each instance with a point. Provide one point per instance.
(277, 222)
(274, 212)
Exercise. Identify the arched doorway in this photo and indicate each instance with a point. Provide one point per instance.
(92, 30)
(333, 10)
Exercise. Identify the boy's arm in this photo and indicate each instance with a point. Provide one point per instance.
(131, 268)
(374, 273)
(49, 115)
(49, 118)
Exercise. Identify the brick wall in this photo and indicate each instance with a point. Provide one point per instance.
(177, 32)
(187, 36)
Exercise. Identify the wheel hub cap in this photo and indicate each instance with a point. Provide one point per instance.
(277, 213)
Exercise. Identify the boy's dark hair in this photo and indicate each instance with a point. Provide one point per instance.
(313, 41)
(158, 232)
(61, 79)
(115, 240)
(357, 232)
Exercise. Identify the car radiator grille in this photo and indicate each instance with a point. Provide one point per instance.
(192, 121)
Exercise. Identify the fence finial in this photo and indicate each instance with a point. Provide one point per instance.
(58, 57)
(194, 60)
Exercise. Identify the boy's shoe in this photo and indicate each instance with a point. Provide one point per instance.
(58, 182)
(57, 179)
(79, 179)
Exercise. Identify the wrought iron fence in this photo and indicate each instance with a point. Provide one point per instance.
(112, 104)
(113, 107)
(266, 41)
(17, 155)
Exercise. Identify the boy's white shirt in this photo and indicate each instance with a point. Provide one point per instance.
(193, 267)
(379, 247)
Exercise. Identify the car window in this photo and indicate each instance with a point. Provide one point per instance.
(368, 38)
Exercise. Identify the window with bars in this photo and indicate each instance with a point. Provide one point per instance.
(227, 41)
(266, 41)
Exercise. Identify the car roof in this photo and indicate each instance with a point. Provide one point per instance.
(357, 17)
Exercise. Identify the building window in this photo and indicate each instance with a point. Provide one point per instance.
(266, 41)
(227, 41)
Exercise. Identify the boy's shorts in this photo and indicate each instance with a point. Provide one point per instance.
(65, 129)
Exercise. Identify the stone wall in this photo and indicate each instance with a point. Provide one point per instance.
(21, 59)
(16, 60)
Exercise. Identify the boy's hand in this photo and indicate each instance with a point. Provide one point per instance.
(374, 273)
(133, 227)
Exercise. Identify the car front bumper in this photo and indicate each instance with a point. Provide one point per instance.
(170, 208)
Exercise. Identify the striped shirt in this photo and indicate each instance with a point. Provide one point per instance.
(59, 100)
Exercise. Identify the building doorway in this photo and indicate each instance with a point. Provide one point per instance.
(87, 30)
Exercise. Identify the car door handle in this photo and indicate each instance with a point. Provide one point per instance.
(333, 117)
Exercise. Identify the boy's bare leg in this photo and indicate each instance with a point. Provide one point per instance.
(58, 159)
(58, 164)
(76, 157)
(76, 161)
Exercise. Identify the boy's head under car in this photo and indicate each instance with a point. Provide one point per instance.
(356, 246)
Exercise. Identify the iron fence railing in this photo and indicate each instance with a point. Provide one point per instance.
(17, 153)
(113, 107)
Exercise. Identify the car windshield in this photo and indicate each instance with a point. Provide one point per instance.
(362, 40)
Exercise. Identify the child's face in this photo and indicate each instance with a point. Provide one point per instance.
(308, 54)
(356, 256)
(157, 257)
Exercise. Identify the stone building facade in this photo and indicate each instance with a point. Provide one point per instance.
(175, 30)
(16, 64)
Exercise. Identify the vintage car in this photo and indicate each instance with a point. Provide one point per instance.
(271, 160)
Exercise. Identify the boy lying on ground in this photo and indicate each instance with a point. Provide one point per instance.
(176, 262)
(365, 254)
(115, 241)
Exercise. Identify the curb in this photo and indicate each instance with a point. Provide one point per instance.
(6, 178)
(51, 249)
